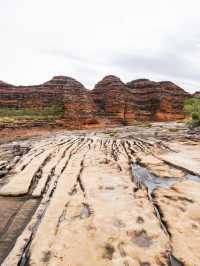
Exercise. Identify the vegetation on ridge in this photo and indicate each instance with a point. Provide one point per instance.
(192, 108)
(8, 115)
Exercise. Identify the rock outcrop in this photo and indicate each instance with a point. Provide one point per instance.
(28, 96)
(171, 103)
(141, 100)
(159, 101)
(90, 198)
(111, 102)
(79, 108)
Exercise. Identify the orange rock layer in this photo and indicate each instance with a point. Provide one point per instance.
(111, 102)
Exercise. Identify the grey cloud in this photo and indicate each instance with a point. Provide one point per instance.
(169, 64)
(161, 41)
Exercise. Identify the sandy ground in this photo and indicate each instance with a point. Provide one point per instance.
(116, 196)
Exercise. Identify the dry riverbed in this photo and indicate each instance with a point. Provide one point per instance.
(120, 196)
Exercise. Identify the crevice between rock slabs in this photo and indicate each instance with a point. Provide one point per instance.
(38, 175)
(142, 177)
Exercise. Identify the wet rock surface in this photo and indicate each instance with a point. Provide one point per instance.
(15, 214)
(102, 197)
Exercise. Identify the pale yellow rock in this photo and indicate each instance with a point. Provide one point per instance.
(184, 156)
(20, 183)
(46, 171)
(92, 213)
(105, 224)
(180, 207)
(159, 168)
(15, 254)
(45, 236)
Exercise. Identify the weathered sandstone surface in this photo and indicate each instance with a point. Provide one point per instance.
(110, 102)
(102, 197)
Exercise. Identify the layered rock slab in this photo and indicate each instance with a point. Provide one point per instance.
(96, 228)
(83, 210)
(184, 156)
(180, 208)
(93, 207)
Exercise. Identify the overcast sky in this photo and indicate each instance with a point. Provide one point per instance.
(88, 39)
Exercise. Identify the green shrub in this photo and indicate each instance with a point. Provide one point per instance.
(192, 108)
(192, 105)
(8, 115)
(195, 116)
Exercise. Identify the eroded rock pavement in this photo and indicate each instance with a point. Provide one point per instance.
(120, 196)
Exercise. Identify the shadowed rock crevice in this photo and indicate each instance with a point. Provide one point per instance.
(141, 177)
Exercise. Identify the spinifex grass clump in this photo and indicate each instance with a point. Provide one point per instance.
(192, 108)
(8, 115)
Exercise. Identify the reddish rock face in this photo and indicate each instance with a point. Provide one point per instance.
(28, 96)
(80, 110)
(111, 102)
(145, 98)
(141, 100)
(171, 101)
(110, 96)
(157, 101)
